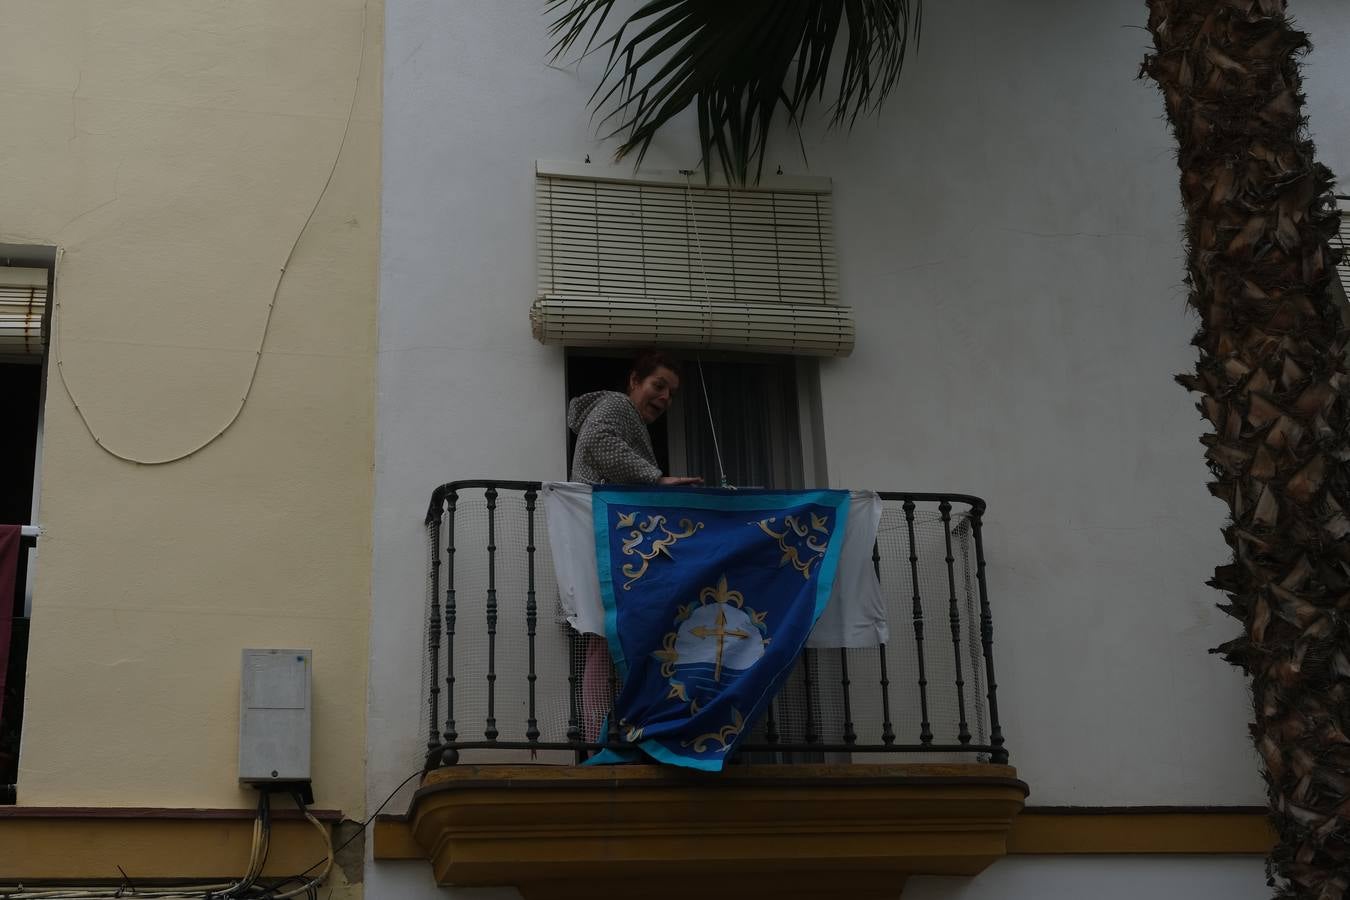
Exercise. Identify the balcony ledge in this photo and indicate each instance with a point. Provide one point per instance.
(565, 831)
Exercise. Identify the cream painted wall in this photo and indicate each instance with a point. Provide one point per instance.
(173, 149)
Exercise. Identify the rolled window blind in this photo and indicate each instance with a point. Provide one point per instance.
(23, 307)
(674, 262)
(820, 329)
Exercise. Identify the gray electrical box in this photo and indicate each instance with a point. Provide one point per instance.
(274, 716)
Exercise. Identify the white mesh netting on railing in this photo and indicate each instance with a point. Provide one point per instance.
(814, 705)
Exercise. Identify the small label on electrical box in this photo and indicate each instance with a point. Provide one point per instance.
(274, 716)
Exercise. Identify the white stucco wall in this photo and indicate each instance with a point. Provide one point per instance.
(1103, 878)
(1008, 233)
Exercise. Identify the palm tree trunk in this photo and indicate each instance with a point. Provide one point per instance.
(1272, 379)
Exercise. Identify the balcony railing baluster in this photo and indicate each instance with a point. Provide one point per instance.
(574, 642)
(770, 725)
(490, 731)
(850, 736)
(963, 734)
(612, 725)
(887, 729)
(451, 505)
(816, 712)
(925, 727)
(808, 695)
(999, 754)
(531, 614)
(434, 636)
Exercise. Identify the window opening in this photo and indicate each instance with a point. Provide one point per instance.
(586, 373)
(755, 408)
(26, 282)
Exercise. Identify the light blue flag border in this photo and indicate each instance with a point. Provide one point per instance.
(717, 500)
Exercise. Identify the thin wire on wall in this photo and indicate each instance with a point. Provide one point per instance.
(271, 305)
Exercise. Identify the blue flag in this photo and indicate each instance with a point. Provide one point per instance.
(709, 597)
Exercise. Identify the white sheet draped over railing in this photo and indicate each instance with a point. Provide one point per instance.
(854, 617)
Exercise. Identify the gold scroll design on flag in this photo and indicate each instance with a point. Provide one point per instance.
(659, 546)
(798, 535)
(669, 654)
(724, 735)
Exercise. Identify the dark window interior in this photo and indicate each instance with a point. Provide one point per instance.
(20, 394)
(20, 421)
(20, 389)
(754, 406)
(608, 373)
(753, 402)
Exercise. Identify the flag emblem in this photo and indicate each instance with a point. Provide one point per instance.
(709, 596)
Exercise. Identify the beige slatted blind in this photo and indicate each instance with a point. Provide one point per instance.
(799, 329)
(23, 307)
(678, 263)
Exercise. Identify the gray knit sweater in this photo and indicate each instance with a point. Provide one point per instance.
(613, 445)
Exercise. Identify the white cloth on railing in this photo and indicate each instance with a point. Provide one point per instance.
(854, 617)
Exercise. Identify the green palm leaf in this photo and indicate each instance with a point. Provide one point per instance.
(736, 62)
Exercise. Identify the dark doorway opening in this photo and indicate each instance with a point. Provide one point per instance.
(609, 373)
(26, 284)
(20, 401)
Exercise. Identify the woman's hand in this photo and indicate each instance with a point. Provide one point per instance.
(679, 479)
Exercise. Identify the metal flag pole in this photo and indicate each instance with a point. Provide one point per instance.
(712, 426)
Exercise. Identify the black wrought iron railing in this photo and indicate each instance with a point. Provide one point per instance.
(14, 659)
(507, 679)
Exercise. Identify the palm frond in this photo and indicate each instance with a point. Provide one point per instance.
(736, 63)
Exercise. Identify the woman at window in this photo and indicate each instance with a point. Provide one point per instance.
(614, 447)
(613, 444)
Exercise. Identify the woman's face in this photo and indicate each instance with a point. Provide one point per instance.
(653, 394)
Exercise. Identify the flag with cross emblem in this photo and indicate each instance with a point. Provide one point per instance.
(709, 597)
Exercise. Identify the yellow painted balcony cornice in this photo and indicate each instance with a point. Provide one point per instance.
(565, 831)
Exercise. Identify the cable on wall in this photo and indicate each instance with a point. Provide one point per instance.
(251, 885)
(364, 825)
(271, 305)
